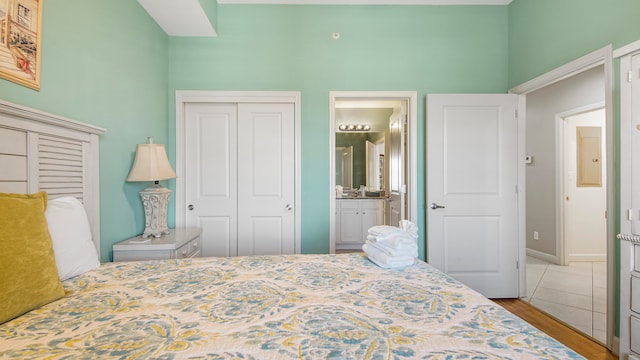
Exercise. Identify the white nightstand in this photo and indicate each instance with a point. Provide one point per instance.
(180, 243)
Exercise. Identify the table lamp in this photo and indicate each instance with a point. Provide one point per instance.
(151, 164)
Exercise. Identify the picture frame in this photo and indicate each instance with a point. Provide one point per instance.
(20, 41)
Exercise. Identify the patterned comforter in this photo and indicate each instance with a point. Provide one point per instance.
(272, 307)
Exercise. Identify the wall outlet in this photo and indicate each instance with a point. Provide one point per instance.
(535, 235)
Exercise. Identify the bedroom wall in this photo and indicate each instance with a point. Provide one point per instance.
(428, 49)
(104, 62)
(545, 34)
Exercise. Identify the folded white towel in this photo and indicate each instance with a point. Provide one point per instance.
(395, 241)
(387, 262)
(409, 227)
(390, 251)
(383, 230)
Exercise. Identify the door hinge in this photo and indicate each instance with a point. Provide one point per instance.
(630, 76)
(517, 264)
(630, 214)
(516, 189)
(406, 119)
(516, 113)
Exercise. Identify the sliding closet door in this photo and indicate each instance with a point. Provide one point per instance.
(266, 179)
(211, 161)
(240, 176)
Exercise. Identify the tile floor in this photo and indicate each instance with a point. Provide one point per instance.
(574, 294)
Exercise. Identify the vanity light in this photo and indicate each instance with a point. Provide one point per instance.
(354, 127)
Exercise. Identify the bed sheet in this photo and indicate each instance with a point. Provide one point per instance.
(272, 307)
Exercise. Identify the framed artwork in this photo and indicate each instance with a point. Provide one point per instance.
(20, 35)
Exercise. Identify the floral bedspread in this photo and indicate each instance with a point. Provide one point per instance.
(272, 307)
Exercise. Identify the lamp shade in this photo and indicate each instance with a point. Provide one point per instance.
(151, 164)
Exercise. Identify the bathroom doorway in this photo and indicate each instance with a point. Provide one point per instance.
(391, 168)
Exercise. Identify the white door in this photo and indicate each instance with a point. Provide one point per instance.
(397, 185)
(471, 190)
(211, 175)
(266, 188)
(239, 176)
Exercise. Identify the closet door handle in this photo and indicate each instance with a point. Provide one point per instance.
(190, 207)
(289, 207)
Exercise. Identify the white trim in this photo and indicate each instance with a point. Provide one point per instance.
(541, 256)
(41, 117)
(522, 196)
(204, 96)
(603, 56)
(577, 66)
(626, 177)
(367, 2)
(412, 111)
(627, 49)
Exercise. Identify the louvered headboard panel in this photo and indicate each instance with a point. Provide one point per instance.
(61, 167)
(41, 151)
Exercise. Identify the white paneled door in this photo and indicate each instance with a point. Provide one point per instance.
(240, 177)
(471, 190)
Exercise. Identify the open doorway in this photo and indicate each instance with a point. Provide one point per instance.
(562, 278)
(381, 128)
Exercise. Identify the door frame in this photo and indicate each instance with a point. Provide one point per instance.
(602, 56)
(411, 97)
(560, 119)
(184, 97)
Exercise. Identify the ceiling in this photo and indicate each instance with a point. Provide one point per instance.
(187, 18)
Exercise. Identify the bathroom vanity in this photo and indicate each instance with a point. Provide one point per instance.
(354, 216)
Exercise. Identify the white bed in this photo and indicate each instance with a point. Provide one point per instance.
(258, 307)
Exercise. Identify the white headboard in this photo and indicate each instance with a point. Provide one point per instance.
(42, 151)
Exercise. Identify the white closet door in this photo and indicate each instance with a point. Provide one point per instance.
(266, 175)
(240, 177)
(211, 175)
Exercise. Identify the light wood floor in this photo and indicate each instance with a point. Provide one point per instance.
(579, 343)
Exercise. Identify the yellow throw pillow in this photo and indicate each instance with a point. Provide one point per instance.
(28, 272)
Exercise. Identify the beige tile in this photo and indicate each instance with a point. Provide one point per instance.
(578, 268)
(536, 263)
(599, 321)
(578, 318)
(534, 276)
(600, 300)
(569, 282)
(564, 298)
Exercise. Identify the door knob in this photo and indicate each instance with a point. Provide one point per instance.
(436, 206)
(190, 207)
(289, 207)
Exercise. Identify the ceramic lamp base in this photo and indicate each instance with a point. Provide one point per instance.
(155, 199)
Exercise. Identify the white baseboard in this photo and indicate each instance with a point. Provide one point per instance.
(587, 257)
(543, 256)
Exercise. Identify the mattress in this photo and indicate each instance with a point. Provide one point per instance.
(272, 307)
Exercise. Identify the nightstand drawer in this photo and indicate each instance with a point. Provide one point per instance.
(189, 250)
(178, 244)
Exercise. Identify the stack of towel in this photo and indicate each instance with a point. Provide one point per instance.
(392, 247)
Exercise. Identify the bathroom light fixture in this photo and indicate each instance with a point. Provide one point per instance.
(354, 127)
(151, 164)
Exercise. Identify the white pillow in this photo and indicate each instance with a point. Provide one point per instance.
(71, 236)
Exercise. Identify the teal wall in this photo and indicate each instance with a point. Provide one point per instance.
(104, 62)
(545, 34)
(428, 49)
